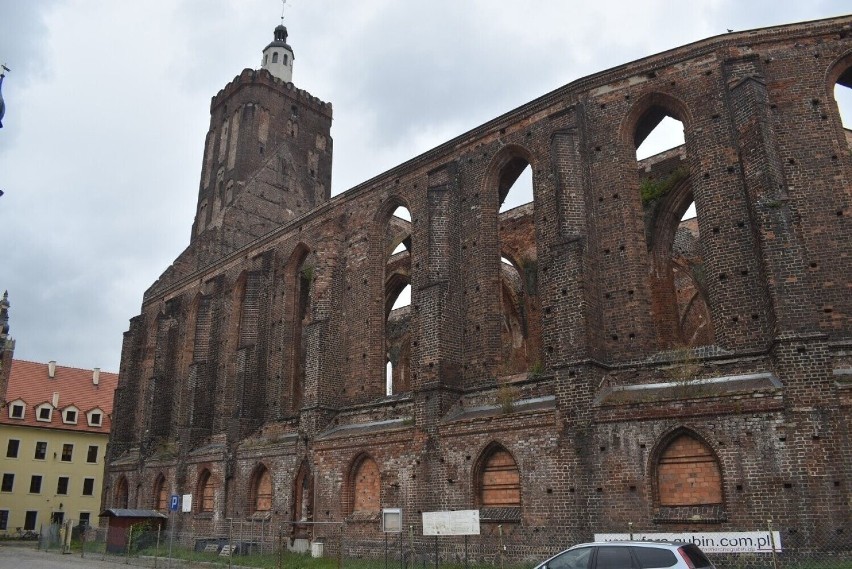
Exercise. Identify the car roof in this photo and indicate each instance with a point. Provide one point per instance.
(626, 542)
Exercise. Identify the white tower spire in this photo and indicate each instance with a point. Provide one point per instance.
(278, 56)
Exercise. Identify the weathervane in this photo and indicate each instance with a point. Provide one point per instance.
(283, 6)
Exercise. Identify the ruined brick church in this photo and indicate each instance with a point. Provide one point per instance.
(566, 367)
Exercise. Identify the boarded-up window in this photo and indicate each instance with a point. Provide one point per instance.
(120, 497)
(161, 497)
(262, 491)
(206, 491)
(500, 484)
(688, 474)
(367, 487)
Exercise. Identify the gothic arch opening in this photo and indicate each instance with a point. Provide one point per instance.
(161, 494)
(497, 480)
(397, 244)
(362, 492)
(679, 299)
(520, 333)
(303, 501)
(300, 275)
(840, 90)
(687, 472)
(121, 495)
(205, 492)
(260, 490)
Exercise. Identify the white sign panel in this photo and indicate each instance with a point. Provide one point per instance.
(392, 520)
(709, 541)
(461, 522)
(186, 506)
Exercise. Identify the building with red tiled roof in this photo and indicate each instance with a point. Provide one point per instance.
(54, 427)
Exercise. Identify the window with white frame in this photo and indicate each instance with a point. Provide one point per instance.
(17, 409)
(69, 415)
(95, 417)
(44, 412)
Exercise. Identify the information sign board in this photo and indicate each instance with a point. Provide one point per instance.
(459, 522)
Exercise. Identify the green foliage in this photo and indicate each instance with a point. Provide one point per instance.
(653, 189)
(536, 370)
(308, 273)
(506, 397)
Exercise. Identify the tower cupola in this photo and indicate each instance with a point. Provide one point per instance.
(278, 56)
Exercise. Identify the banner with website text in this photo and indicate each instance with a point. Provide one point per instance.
(710, 541)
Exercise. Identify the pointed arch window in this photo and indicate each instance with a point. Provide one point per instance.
(688, 473)
(397, 246)
(498, 479)
(363, 489)
(120, 494)
(261, 490)
(161, 495)
(677, 283)
(206, 491)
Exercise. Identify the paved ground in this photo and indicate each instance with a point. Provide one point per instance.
(21, 557)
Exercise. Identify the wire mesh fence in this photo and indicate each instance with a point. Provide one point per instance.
(361, 545)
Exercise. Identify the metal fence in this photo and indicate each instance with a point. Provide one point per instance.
(333, 545)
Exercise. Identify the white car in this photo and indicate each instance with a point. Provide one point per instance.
(630, 555)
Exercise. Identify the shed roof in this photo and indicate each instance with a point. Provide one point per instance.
(130, 513)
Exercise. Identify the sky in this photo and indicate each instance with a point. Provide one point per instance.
(107, 107)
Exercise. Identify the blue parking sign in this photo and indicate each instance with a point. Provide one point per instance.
(174, 504)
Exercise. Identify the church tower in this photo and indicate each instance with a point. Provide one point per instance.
(278, 56)
(267, 156)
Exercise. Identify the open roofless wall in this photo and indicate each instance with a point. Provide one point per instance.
(589, 381)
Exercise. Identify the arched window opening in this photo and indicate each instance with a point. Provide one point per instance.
(498, 479)
(843, 98)
(682, 315)
(121, 494)
(274, 57)
(520, 332)
(206, 492)
(303, 501)
(694, 326)
(519, 190)
(398, 302)
(301, 275)
(664, 134)
(260, 495)
(688, 474)
(161, 494)
(363, 491)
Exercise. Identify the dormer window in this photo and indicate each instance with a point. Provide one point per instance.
(274, 57)
(17, 409)
(44, 412)
(69, 416)
(95, 417)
